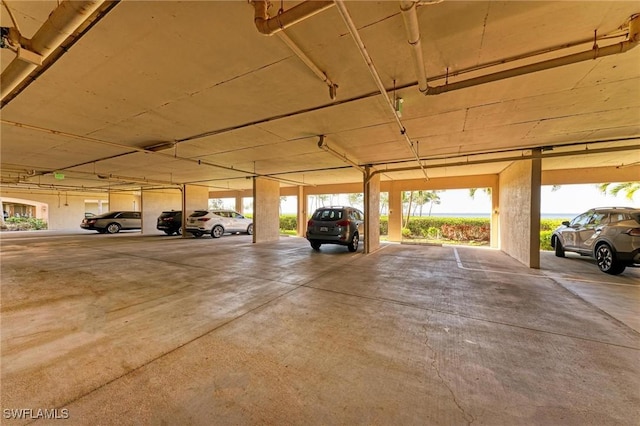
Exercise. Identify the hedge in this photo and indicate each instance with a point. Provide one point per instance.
(459, 229)
(25, 224)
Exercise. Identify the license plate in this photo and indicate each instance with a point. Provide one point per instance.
(324, 229)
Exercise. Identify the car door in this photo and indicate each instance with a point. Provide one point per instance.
(129, 220)
(571, 234)
(588, 234)
(226, 220)
(358, 217)
(238, 222)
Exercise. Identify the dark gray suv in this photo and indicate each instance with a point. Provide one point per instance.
(611, 235)
(335, 225)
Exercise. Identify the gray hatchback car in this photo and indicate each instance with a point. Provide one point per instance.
(611, 235)
(335, 225)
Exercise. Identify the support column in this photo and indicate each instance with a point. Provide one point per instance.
(154, 202)
(266, 210)
(495, 216)
(193, 198)
(395, 213)
(302, 210)
(520, 210)
(239, 204)
(371, 211)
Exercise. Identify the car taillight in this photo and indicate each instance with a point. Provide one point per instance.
(343, 223)
(91, 222)
(634, 232)
(310, 223)
(204, 219)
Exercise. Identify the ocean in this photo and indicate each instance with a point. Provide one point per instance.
(542, 216)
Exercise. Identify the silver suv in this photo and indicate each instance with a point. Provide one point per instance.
(217, 223)
(609, 234)
(335, 225)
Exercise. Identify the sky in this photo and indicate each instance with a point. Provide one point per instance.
(570, 200)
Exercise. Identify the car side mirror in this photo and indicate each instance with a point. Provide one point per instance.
(566, 223)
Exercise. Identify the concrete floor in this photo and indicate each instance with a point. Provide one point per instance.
(132, 329)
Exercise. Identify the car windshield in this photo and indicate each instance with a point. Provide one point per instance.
(328, 214)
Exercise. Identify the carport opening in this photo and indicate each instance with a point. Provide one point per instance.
(24, 215)
(459, 216)
(560, 203)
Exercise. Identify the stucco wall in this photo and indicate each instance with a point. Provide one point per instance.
(266, 213)
(154, 202)
(519, 212)
(127, 201)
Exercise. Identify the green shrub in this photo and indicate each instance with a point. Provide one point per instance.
(288, 222)
(407, 233)
(25, 224)
(545, 240)
(550, 224)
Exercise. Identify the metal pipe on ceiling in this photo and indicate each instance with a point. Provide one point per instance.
(322, 144)
(376, 77)
(410, 17)
(62, 22)
(594, 53)
(287, 18)
(309, 63)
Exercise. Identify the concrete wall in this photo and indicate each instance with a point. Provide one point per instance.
(195, 198)
(371, 213)
(154, 202)
(520, 212)
(395, 212)
(266, 210)
(127, 201)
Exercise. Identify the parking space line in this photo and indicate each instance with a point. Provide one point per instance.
(543, 274)
(562, 277)
(461, 266)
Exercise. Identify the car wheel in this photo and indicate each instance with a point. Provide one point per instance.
(606, 260)
(217, 231)
(559, 248)
(355, 240)
(113, 228)
(250, 229)
(179, 231)
(315, 245)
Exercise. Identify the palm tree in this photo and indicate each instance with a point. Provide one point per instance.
(629, 188)
(432, 198)
(355, 198)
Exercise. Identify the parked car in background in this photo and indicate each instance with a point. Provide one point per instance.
(611, 235)
(217, 223)
(170, 222)
(112, 222)
(335, 225)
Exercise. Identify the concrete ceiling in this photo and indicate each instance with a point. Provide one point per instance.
(237, 103)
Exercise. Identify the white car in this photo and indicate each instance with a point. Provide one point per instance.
(217, 223)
